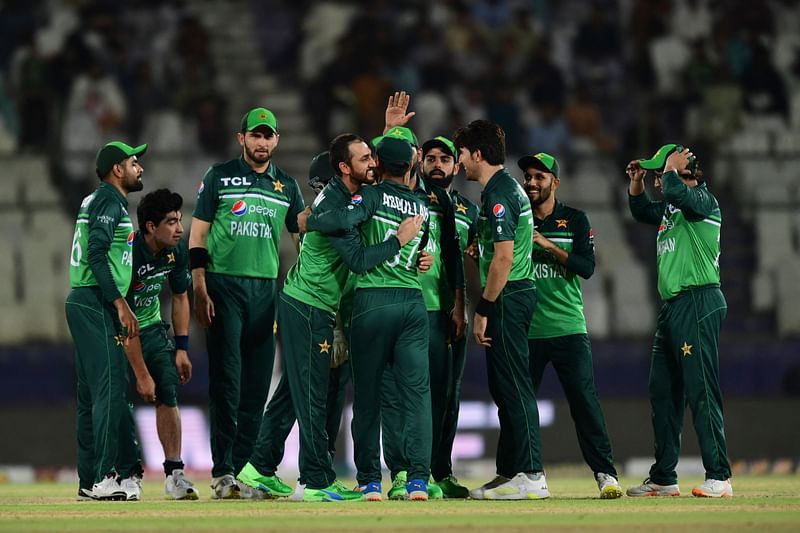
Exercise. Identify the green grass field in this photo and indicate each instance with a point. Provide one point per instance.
(762, 503)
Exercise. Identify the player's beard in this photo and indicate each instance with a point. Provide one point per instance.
(133, 183)
(260, 158)
(368, 177)
(439, 178)
(544, 194)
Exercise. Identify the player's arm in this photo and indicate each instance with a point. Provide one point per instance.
(338, 220)
(453, 262)
(642, 208)
(396, 108)
(180, 323)
(103, 221)
(580, 260)
(198, 259)
(145, 385)
(695, 201)
(296, 206)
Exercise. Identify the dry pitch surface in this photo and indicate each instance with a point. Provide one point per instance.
(768, 503)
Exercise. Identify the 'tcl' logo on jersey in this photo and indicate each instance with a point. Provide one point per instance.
(130, 238)
(139, 286)
(499, 210)
(356, 199)
(239, 208)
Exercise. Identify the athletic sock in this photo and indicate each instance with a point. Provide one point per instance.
(170, 465)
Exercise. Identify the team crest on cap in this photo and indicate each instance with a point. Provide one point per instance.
(499, 210)
(138, 286)
(356, 199)
(239, 208)
(130, 238)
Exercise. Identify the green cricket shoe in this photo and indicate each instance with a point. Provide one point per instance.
(336, 492)
(270, 486)
(434, 490)
(451, 488)
(398, 490)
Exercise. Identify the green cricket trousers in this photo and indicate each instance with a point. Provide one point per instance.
(685, 370)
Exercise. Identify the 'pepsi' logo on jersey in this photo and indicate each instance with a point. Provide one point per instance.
(139, 286)
(239, 208)
(356, 199)
(130, 238)
(499, 210)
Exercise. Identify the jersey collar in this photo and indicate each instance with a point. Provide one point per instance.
(118, 195)
(247, 169)
(495, 180)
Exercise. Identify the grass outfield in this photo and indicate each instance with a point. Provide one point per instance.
(762, 503)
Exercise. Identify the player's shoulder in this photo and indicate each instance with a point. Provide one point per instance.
(232, 167)
(279, 174)
(571, 212)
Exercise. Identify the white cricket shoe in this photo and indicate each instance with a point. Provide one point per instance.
(177, 487)
(109, 489)
(520, 487)
(132, 487)
(608, 485)
(648, 488)
(225, 488)
(477, 493)
(714, 488)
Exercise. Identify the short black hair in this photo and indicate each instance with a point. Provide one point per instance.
(339, 150)
(155, 206)
(483, 135)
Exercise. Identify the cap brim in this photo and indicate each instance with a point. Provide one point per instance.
(139, 150)
(652, 164)
(256, 126)
(436, 143)
(528, 161)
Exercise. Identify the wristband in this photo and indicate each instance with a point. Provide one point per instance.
(182, 342)
(485, 307)
(198, 257)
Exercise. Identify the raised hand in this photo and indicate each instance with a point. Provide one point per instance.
(396, 110)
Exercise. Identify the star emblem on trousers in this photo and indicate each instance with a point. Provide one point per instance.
(686, 349)
(119, 340)
(324, 347)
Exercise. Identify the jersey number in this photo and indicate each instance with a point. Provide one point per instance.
(76, 253)
(396, 259)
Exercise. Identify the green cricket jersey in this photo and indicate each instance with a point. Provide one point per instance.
(439, 281)
(323, 267)
(688, 243)
(149, 273)
(505, 215)
(378, 211)
(466, 216)
(101, 254)
(247, 212)
(559, 300)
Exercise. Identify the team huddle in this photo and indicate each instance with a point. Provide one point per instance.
(376, 299)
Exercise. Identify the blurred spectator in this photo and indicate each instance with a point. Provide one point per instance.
(700, 72)
(544, 78)
(32, 88)
(596, 49)
(763, 88)
(586, 123)
(691, 19)
(550, 134)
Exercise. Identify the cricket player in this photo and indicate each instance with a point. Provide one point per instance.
(101, 322)
(563, 252)
(242, 208)
(503, 314)
(684, 366)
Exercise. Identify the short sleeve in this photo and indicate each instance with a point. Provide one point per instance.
(502, 215)
(179, 277)
(207, 197)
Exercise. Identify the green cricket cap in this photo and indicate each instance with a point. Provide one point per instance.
(659, 159)
(395, 154)
(441, 142)
(114, 152)
(542, 161)
(401, 132)
(260, 116)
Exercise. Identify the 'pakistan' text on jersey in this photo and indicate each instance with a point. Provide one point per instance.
(103, 233)
(559, 300)
(247, 212)
(688, 241)
(149, 274)
(505, 215)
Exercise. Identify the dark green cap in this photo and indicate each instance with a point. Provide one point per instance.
(441, 142)
(260, 116)
(114, 152)
(395, 154)
(320, 172)
(542, 161)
